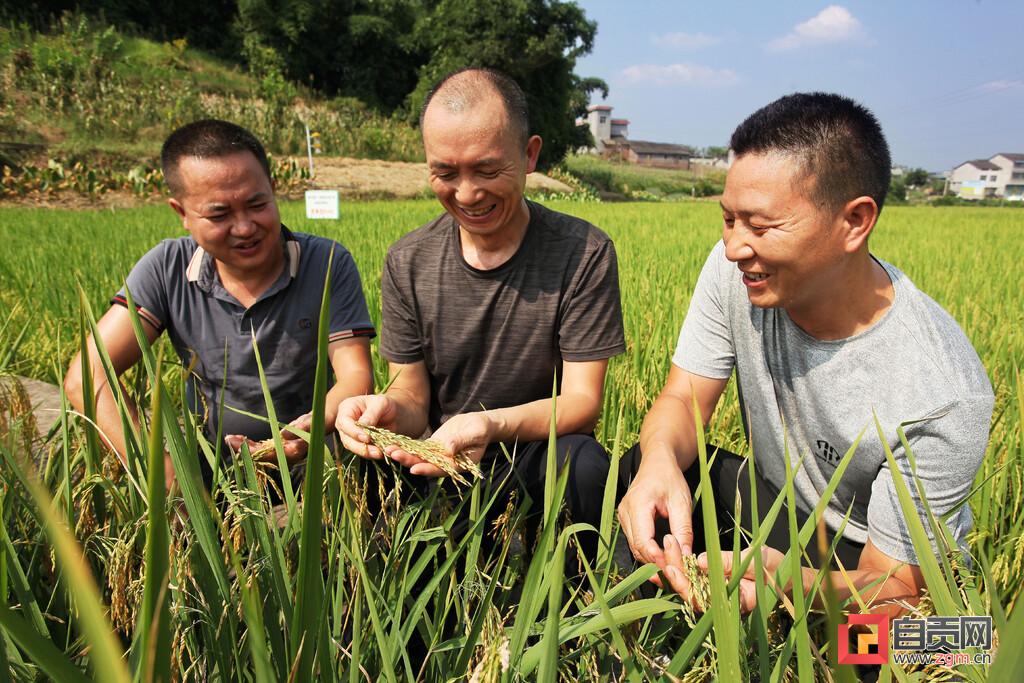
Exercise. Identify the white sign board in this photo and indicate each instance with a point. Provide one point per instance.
(322, 204)
(969, 189)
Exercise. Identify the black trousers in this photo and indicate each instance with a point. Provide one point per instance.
(730, 480)
(522, 470)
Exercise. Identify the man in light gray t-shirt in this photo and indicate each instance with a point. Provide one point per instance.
(824, 338)
(914, 365)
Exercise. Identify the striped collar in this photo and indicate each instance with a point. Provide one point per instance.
(292, 253)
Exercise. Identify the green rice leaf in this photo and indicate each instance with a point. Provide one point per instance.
(106, 657)
(309, 589)
(724, 609)
(155, 616)
(41, 649)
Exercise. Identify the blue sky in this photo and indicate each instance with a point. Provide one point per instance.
(945, 78)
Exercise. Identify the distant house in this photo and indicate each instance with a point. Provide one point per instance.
(718, 163)
(1011, 174)
(599, 120)
(611, 139)
(1001, 175)
(650, 153)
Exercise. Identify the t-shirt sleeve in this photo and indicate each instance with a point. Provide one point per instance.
(147, 284)
(349, 315)
(591, 325)
(948, 451)
(400, 338)
(705, 345)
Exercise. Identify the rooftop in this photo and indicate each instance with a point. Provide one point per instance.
(982, 165)
(644, 147)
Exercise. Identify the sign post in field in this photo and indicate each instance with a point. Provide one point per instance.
(322, 204)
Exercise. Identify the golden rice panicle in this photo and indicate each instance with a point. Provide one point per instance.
(430, 451)
(700, 586)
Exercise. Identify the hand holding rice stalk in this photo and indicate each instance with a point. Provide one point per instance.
(262, 449)
(700, 587)
(427, 450)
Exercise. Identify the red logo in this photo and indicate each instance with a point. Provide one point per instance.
(871, 647)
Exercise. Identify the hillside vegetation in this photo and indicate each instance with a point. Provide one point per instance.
(620, 180)
(112, 79)
(89, 93)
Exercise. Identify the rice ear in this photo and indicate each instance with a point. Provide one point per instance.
(430, 451)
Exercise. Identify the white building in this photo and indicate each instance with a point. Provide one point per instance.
(611, 139)
(1011, 174)
(599, 120)
(1001, 175)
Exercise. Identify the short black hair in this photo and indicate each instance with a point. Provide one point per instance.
(207, 139)
(838, 142)
(461, 90)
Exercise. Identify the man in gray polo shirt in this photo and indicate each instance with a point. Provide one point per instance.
(823, 337)
(239, 275)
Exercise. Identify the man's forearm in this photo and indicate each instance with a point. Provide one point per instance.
(878, 591)
(669, 434)
(355, 383)
(574, 414)
(108, 416)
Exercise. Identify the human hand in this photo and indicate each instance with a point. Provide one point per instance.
(264, 451)
(468, 434)
(169, 477)
(377, 410)
(295, 447)
(659, 490)
(770, 561)
(747, 588)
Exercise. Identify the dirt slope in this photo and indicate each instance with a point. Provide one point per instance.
(368, 178)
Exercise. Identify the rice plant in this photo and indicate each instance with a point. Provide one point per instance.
(104, 576)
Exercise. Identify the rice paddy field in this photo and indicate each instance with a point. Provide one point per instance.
(103, 578)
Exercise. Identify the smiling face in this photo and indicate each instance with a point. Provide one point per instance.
(227, 205)
(790, 251)
(478, 166)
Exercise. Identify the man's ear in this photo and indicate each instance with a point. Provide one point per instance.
(177, 206)
(533, 146)
(858, 220)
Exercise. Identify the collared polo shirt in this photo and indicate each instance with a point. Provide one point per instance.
(176, 288)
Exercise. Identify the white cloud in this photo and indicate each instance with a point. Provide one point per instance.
(679, 74)
(686, 41)
(1001, 85)
(834, 24)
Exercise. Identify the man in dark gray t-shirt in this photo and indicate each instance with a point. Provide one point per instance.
(484, 306)
(824, 339)
(495, 338)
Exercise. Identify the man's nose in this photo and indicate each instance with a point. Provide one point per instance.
(467, 192)
(737, 243)
(243, 225)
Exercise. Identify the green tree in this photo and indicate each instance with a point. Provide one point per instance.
(353, 48)
(916, 177)
(716, 152)
(203, 23)
(536, 42)
(897, 191)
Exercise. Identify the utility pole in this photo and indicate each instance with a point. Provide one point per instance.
(309, 150)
